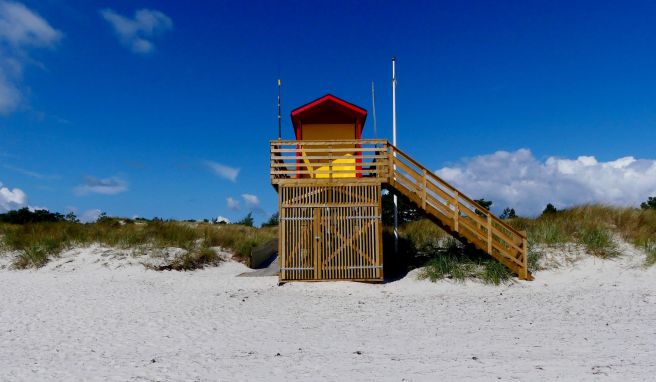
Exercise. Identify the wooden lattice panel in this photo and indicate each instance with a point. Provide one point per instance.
(330, 232)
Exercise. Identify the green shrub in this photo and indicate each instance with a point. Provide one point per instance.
(650, 204)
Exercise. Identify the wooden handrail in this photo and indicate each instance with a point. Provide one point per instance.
(451, 188)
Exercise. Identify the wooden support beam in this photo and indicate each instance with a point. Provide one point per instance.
(316, 241)
(423, 188)
(456, 212)
(524, 271)
(489, 232)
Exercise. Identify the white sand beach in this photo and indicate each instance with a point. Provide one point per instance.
(89, 315)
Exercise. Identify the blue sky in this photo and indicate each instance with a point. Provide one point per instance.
(149, 108)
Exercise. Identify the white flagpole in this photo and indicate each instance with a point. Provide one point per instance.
(396, 208)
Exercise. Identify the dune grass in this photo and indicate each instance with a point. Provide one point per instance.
(38, 242)
(591, 226)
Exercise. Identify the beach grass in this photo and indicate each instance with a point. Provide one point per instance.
(593, 227)
(38, 242)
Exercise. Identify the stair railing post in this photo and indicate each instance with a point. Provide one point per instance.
(330, 162)
(524, 272)
(489, 232)
(456, 211)
(390, 162)
(425, 186)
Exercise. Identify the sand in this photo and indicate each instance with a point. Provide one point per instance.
(89, 315)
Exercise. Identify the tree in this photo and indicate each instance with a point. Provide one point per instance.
(549, 209)
(247, 220)
(483, 203)
(272, 222)
(24, 215)
(103, 218)
(508, 213)
(650, 204)
(71, 217)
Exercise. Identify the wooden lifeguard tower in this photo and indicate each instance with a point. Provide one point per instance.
(329, 182)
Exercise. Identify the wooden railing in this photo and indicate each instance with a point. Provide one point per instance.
(460, 214)
(328, 160)
(378, 160)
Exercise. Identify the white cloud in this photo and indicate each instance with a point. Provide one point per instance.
(233, 203)
(21, 29)
(11, 199)
(222, 219)
(136, 33)
(90, 216)
(251, 200)
(21, 26)
(107, 186)
(223, 171)
(519, 180)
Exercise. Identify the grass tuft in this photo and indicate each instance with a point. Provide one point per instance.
(495, 273)
(650, 248)
(32, 257)
(598, 241)
(194, 260)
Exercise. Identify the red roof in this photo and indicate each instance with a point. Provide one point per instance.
(328, 110)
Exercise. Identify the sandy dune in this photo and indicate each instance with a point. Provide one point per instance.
(92, 316)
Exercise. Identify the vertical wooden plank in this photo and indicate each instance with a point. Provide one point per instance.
(330, 162)
(524, 272)
(456, 211)
(379, 232)
(316, 232)
(489, 232)
(281, 235)
(424, 186)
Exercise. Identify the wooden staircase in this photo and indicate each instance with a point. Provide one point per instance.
(457, 214)
(379, 162)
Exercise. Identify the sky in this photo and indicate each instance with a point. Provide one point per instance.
(165, 109)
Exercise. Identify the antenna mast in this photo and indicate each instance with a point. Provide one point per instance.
(396, 201)
(279, 119)
(373, 101)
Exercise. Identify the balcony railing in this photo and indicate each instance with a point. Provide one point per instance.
(329, 160)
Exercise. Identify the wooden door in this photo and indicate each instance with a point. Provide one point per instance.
(331, 233)
(348, 247)
(297, 252)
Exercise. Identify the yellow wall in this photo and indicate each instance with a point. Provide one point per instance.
(318, 132)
